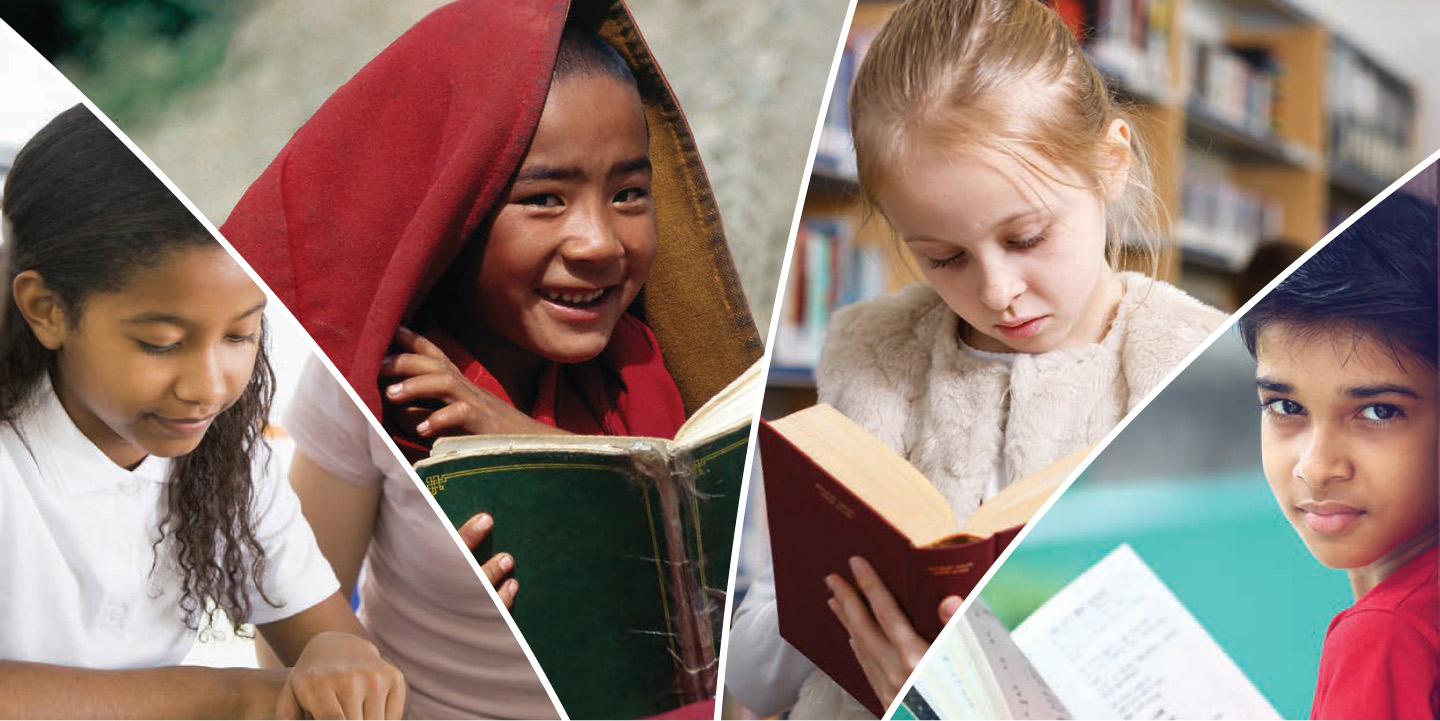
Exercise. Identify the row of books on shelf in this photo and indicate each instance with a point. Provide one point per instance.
(1371, 116)
(829, 269)
(1128, 40)
(1236, 84)
(1222, 223)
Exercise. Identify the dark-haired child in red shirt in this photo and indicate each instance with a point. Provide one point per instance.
(1346, 352)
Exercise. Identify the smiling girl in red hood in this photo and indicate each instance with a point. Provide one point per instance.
(496, 227)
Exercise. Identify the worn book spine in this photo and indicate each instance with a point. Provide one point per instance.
(689, 606)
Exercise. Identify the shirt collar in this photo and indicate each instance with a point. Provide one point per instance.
(70, 460)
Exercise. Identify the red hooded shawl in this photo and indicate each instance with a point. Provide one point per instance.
(366, 206)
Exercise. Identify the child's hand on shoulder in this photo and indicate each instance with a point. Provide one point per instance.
(342, 676)
(433, 398)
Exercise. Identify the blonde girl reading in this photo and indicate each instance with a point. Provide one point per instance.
(137, 492)
(991, 145)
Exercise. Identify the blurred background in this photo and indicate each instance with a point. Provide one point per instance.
(212, 89)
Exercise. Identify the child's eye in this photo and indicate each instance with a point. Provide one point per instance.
(541, 200)
(242, 338)
(1380, 412)
(631, 195)
(153, 349)
(1029, 242)
(950, 262)
(1282, 407)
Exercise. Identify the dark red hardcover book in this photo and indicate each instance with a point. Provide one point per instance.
(816, 525)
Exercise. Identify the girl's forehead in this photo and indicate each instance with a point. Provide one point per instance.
(983, 188)
(199, 280)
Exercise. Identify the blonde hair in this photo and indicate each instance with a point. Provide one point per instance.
(998, 75)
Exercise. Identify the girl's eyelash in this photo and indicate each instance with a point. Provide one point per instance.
(1018, 244)
(938, 263)
(153, 349)
(251, 338)
(542, 200)
(630, 195)
(1029, 242)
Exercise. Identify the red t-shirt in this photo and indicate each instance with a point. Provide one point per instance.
(1381, 658)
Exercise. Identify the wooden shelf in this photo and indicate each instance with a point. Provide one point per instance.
(1272, 10)
(1355, 183)
(1207, 131)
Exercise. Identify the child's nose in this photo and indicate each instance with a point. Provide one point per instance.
(593, 238)
(1323, 457)
(202, 379)
(1000, 285)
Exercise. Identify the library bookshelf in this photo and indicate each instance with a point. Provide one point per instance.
(1263, 125)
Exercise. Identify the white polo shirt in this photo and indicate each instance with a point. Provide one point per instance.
(81, 585)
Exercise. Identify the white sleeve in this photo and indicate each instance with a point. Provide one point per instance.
(329, 428)
(297, 576)
(763, 671)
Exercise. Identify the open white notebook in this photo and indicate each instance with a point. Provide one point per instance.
(1113, 644)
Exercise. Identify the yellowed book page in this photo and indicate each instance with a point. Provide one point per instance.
(873, 472)
(1021, 500)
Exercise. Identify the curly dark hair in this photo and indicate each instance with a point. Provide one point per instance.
(86, 214)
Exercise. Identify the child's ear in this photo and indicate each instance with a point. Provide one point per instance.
(1119, 154)
(40, 306)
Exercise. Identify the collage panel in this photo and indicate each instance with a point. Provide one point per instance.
(469, 218)
(998, 306)
(1248, 130)
(1260, 541)
(149, 418)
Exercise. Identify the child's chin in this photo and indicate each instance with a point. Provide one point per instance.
(581, 350)
(1338, 555)
(173, 448)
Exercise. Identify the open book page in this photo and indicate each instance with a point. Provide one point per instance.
(1116, 643)
(979, 673)
(733, 407)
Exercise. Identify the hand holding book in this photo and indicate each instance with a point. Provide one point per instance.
(474, 532)
(834, 492)
(885, 643)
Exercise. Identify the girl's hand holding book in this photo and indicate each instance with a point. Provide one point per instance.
(435, 399)
(342, 676)
(885, 642)
(499, 566)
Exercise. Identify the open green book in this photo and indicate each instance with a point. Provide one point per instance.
(621, 545)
